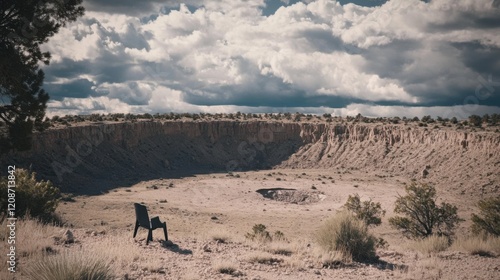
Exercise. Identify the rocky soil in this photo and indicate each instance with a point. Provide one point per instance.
(219, 178)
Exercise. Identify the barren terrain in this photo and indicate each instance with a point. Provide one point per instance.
(206, 183)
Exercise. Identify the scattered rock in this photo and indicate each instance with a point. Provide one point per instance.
(67, 237)
(425, 173)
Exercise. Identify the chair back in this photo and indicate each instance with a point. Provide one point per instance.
(141, 215)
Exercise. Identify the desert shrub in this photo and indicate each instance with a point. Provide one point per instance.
(348, 235)
(39, 199)
(475, 120)
(259, 233)
(488, 221)
(279, 236)
(70, 266)
(427, 119)
(431, 244)
(368, 211)
(422, 216)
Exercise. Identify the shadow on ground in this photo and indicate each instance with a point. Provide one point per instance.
(169, 245)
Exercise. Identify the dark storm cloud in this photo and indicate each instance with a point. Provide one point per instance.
(130, 7)
(66, 68)
(288, 98)
(479, 58)
(387, 63)
(80, 88)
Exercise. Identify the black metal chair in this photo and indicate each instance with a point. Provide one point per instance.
(142, 220)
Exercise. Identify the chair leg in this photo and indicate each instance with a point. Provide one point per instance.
(150, 236)
(165, 231)
(136, 228)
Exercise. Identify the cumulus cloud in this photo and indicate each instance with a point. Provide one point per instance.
(236, 55)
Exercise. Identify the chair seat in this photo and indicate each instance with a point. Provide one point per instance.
(142, 220)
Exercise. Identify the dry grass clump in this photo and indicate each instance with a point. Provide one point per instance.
(478, 245)
(220, 235)
(152, 265)
(225, 267)
(295, 262)
(332, 259)
(425, 269)
(123, 253)
(280, 248)
(431, 244)
(263, 258)
(74, 265)
(347, 234)
(33, 238)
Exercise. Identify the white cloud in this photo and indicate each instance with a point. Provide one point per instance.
(458, 111)
(227, 52)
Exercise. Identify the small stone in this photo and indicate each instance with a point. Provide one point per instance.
(206, 248)
(425, 173)
(68, 237)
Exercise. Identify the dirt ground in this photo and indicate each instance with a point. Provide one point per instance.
(295, 202)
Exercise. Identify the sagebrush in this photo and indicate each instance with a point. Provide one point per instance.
(422, 216)
(368, 211)
(39, 199)
(488, 221)
(260, 233)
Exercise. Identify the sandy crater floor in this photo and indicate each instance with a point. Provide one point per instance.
(198, 206)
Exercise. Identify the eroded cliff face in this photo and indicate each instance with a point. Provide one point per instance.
(100, 156)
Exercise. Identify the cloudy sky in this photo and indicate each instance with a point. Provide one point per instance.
(374, 57)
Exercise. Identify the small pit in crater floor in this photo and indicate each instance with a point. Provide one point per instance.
(292, 195)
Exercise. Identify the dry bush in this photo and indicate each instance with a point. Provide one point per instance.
(347, 234)
(478, 245)
(225, 266)
(70, 265)
(431, 244)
